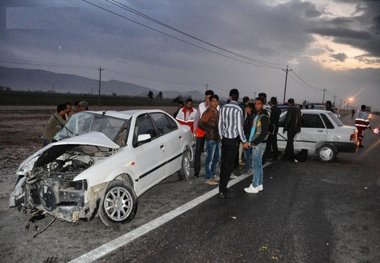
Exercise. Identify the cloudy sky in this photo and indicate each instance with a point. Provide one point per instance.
(328, 44)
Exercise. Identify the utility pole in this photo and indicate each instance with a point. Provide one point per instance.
(323, 98)
(100, 83)
(334, 100)
(254, 94)
(340, 100)
(286, 80)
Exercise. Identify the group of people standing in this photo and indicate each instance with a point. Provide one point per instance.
(252, 125)
(60, 118)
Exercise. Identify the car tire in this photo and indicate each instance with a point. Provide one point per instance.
(185, 171)
(326, 153)
(118, 204)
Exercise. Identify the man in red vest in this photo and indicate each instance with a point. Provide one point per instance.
(187, 115)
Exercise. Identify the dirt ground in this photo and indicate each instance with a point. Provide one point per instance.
(21, 128)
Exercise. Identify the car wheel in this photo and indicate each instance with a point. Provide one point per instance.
(326, 153)
(184, 173)
(118, 205)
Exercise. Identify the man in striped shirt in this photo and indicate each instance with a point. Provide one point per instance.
(231, 131)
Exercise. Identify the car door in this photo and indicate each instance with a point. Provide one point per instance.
(313, 131)
(171, 138)
(149, 165)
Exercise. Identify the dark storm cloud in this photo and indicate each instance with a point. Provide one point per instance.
(339, 56)
(360, 31)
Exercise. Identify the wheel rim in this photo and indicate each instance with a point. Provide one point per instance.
(186, 165)
(326, 153)
(118, 203)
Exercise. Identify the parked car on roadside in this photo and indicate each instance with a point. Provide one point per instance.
(101, 163)
(322, 133)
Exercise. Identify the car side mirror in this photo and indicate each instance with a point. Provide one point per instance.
(143, 138)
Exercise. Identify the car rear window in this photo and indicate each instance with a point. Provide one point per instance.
(327, 121)
(335, 119)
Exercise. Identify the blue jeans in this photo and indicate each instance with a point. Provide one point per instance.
(247, 159)
(212, 159)
(257, 164)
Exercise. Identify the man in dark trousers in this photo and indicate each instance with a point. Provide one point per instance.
(292, 126)
(230, 129)
(271, 152)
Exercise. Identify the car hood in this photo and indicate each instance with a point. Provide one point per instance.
(91, 138)
(53, 150)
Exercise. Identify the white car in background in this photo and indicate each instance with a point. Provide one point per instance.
(322, 133)
(101, 162)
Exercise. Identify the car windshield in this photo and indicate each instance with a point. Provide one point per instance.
(84, 122)
(335, 119)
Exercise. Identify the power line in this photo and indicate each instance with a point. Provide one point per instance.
(11, 61)
(304, 82)
(138, 13)
(176, 38)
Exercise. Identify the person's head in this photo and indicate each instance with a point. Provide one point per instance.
(189, 103)
(273, 101)
(250, 108)
(208, 94)
(82, 106)
(363, 107)
(259, 104)
(328, 104)
(68, 108)
(214, 101)
(61, 109)
(290, 102)
(263, 96)
(180, 104)
(245, 100)
(234, 95)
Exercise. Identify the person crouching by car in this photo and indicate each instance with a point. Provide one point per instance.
(209, 124)
(55, 123)
(257, 139)
(186, 116)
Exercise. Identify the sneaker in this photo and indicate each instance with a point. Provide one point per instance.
(216, 178)
(233, 176)
(260, 188)
(251, 189)
(211, 182)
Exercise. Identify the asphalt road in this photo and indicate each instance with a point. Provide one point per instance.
(308, 212)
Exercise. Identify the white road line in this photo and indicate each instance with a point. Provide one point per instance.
(123, 240)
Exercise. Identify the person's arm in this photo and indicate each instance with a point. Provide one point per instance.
(264, 131)
(240, 121)
(220, 123)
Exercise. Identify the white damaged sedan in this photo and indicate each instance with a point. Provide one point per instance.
(101, 162)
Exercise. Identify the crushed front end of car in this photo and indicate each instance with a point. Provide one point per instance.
(47, 179)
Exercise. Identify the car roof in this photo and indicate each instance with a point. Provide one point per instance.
(314, 111)
(127, 114)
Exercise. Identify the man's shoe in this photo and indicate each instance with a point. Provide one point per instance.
(226, 195)
(233, 176)
(196, 174)
(216, 178)
(211, 182)
(260, 188)
(251, 189)
(249, 172)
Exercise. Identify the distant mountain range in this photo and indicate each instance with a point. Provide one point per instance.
(42, 80)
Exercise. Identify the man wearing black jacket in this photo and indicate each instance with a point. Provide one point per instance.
(292, 126)
(271, 152)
